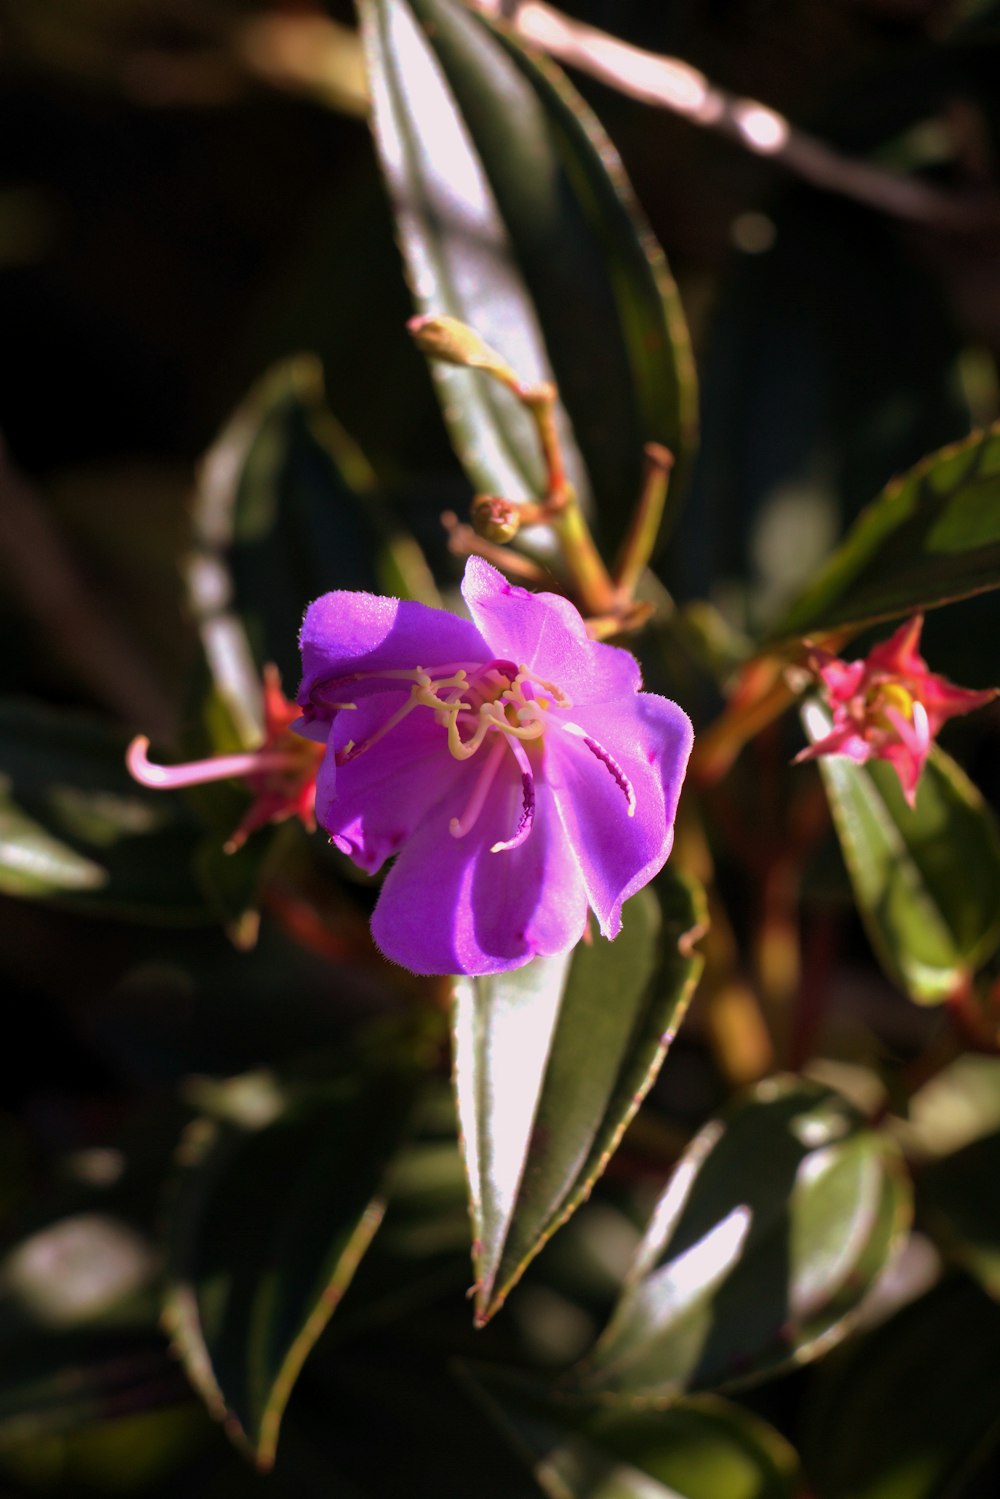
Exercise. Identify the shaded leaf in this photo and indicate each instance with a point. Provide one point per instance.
(775, 1224)
(76, 829)
(514, 217)
(958, 1198)
(932, 536)
(279, 1194)
(67, 1381)
(831, 366)
(911, 1409)
(702, 1448)
(282, 513)
(925, 879)
(551, 1062)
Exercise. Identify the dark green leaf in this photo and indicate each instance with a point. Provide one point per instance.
(959, 1201)
(277, 1200)
(911, 1410)
(75, 828)
(63, 1382)
(775, 1224)
(514, 216)
(831, 366)
(931, 537)
(283, 512)
(702, 1448)
(551, 1062)
(925, 879)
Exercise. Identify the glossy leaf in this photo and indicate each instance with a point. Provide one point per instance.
(76, 829)
(775, 1224)
(514, 217)
(911, 1409)
(932, 536)
(552, 1061)
(282, 513)
(925, 879)
(277, 1199)
(702, 1448)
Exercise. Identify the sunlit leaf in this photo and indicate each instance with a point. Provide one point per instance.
(514, 217)
(925, 878)
(775, 1224)
(701, 1448)
(931, 537)
(278, 1197)
(551, 1062)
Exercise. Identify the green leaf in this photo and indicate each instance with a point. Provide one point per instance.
(775, 1224)
(65, 1381)
(932, 536)
(77, 830)
(551, 1062)
(833, 364)
(277, 1199)
(283, 514)
(514, 216)
(910, 1411)
(925, 879)
(702, 1448)
(958, 1201)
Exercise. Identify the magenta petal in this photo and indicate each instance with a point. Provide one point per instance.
(371, 805)
(649, 739)
(450, 905)
(545, 632)
(349, 632)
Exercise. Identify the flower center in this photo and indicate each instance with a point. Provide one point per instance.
(469, 702)
(472, 703)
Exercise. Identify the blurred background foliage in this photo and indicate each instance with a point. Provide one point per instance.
(223, 1115)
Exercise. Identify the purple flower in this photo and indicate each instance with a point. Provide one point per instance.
(511, 764)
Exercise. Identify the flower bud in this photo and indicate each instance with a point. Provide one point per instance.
(448, 339)
(494, 518)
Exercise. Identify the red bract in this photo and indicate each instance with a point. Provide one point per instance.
(889, 706)
(281, 773)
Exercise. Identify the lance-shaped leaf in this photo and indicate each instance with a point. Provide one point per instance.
(514, 216)
(702, 1448)
(925, 878)
(277, 1199)
(775, 1224)
(285, 511)
(552, 1061)
(932, 536)
(77, 830)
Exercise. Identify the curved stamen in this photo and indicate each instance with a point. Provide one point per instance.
(527, 820)
(916, 733)
(607, 760)
(459, 826)
(197, 772)
(559, 698)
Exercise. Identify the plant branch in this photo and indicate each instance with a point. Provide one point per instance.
(669, 83)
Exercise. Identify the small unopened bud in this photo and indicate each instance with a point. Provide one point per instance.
(453, 342)
(495, 519)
